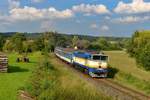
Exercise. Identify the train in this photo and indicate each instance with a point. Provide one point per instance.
(93, 63)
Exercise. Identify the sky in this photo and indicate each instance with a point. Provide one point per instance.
(85, 17)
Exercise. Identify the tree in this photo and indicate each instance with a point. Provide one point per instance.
(8, 46)
(75, 41)
(144, 57)
(83, 44)
(101, 44)
(17, 42)
(50, 41)
(39, 43)
(139, 48)
(1, 42)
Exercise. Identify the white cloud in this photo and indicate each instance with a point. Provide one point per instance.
(137, 6)
(107, 18)
(78, 21)
(131, 19)
(104, 28)
(31, 13)
(37, 1)
(13, 4)
(87, 8)
(94, 26)
(46, 26)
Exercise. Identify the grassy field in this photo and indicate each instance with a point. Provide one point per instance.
(58, 82)
(75, 85)
(70, 86)
(17, 76)
(127, 71)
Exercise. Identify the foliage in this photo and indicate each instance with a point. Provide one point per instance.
(75, 41)
(17, 76)
(52, 81)
(26, 43)
(128, 78)
(103, 44)
(128, 73)
(1, 42)
(15, 43)
(143, 57)
(139, 48)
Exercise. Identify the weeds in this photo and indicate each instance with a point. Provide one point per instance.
(52, 81)
(137, 83)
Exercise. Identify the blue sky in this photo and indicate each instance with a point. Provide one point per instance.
(86, 17)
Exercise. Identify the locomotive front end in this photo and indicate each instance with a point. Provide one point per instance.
(100, 65)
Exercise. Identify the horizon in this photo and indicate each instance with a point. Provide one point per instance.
(67, 34)
(115, 18)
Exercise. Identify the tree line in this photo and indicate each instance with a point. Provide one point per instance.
(139, 48)
(22, 43)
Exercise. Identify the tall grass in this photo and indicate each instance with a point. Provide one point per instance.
(133, 82)
(128, 73)
(53, 81)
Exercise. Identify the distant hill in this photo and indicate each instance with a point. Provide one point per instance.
(87, 37)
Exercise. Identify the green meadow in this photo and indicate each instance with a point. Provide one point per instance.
(62, 83)
(127, 72)
(17, 76)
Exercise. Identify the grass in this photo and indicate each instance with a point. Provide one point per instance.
(62, 83)
(16, 77)
(75, 86)
(128, 73)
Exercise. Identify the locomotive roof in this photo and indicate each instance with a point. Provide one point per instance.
(79, 50)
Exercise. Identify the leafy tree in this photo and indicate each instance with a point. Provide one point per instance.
(50, 41)
(139, 48)
(83, 44)
(75, 41)
(28, 46)
(8, 46)
(1, 42)
(17, 42)
(39, 43)
(101, 44)
(143, 57)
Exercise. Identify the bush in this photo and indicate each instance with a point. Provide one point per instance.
(143, 57)
(42, 78)
(139, 47)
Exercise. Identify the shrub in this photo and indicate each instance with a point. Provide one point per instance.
(139, 48)
(143, 57)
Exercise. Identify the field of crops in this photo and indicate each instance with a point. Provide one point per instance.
(127, 72)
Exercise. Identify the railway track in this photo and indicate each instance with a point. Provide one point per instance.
(111, 88)
(121, 92)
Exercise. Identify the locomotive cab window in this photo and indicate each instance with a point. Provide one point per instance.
(104, 58)
(100, 57)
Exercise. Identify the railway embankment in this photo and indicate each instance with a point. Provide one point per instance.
(52, 80)
(109, 87)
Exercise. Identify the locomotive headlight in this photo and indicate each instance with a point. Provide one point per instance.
(104, 64)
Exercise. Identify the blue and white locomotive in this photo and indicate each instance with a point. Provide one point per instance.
(95, 64)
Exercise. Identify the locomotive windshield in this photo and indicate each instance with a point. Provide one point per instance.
(100, 57)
